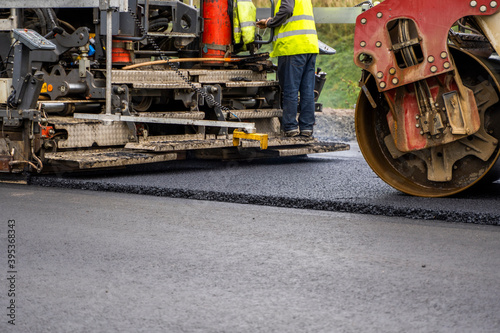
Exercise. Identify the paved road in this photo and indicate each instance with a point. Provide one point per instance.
(340, 181)
(91, 261)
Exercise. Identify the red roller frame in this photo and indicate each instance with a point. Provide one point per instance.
(433, 20)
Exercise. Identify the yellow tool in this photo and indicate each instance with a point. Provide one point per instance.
(237, 135)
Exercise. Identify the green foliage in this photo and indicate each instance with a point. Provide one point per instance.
(341, 87)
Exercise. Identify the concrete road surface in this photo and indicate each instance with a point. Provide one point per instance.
(88, 261)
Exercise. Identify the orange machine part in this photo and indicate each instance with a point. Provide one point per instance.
(217, 34)
(119, 54)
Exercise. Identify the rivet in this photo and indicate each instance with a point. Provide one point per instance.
(430, 59)
(444, 55)
(362, 44)
(380, 75)
(379, 14)
(493, 4)
(395, 81)
(378, 44)
(473, 3)
(417, 117)
(392, 71)
(446, 65)
(434, 69)
(363, 21)
(417, 125)
(482, 9)
(421, 132)
(383, 85)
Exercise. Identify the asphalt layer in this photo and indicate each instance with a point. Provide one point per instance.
(339, 181)
(106, 262)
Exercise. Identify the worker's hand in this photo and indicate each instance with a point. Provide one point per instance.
(263, 23)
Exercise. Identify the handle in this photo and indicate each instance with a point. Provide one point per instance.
(271, 37)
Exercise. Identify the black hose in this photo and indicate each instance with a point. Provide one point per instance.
(158, 23)
(43, 22)
(364, 3)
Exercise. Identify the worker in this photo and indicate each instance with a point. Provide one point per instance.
(244, 16)
(296, 46)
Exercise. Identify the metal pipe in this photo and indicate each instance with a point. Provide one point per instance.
(109, 64)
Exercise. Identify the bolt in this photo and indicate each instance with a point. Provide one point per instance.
(378, 44)
(392, 71)
(482, 9)
(380, 15)
(473, 3)
(421, 132)
(363, 21)
(395, 81)
(380, 75)
(430, 59)
(383, 85)
(493, 4)
(362, 44)
(417, 125)
(434, 69)
(417, 117)
(446, 65)
(455, 167)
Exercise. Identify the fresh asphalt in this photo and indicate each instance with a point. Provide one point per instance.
(338, 181)
(92, 261)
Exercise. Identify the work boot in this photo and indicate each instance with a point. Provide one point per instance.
(306, 133)
(292, 133)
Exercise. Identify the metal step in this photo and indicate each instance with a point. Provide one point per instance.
(174, 114)
(104, 158)
(211, 143)
(254, 114)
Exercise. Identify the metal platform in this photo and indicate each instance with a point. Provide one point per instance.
(105, 158)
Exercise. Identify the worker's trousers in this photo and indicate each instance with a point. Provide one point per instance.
(296, 74)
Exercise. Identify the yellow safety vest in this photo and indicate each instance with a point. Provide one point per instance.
(244, 17)
(298, 34)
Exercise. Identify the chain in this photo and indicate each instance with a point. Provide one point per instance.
(163, 56)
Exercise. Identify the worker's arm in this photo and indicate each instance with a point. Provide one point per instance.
(284, 13)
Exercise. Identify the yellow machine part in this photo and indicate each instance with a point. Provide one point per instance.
(262, 138)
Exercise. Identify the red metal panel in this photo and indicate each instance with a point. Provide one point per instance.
(433, 20)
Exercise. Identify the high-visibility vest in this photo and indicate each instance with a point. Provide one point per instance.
(244, 17)
(298, 34)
